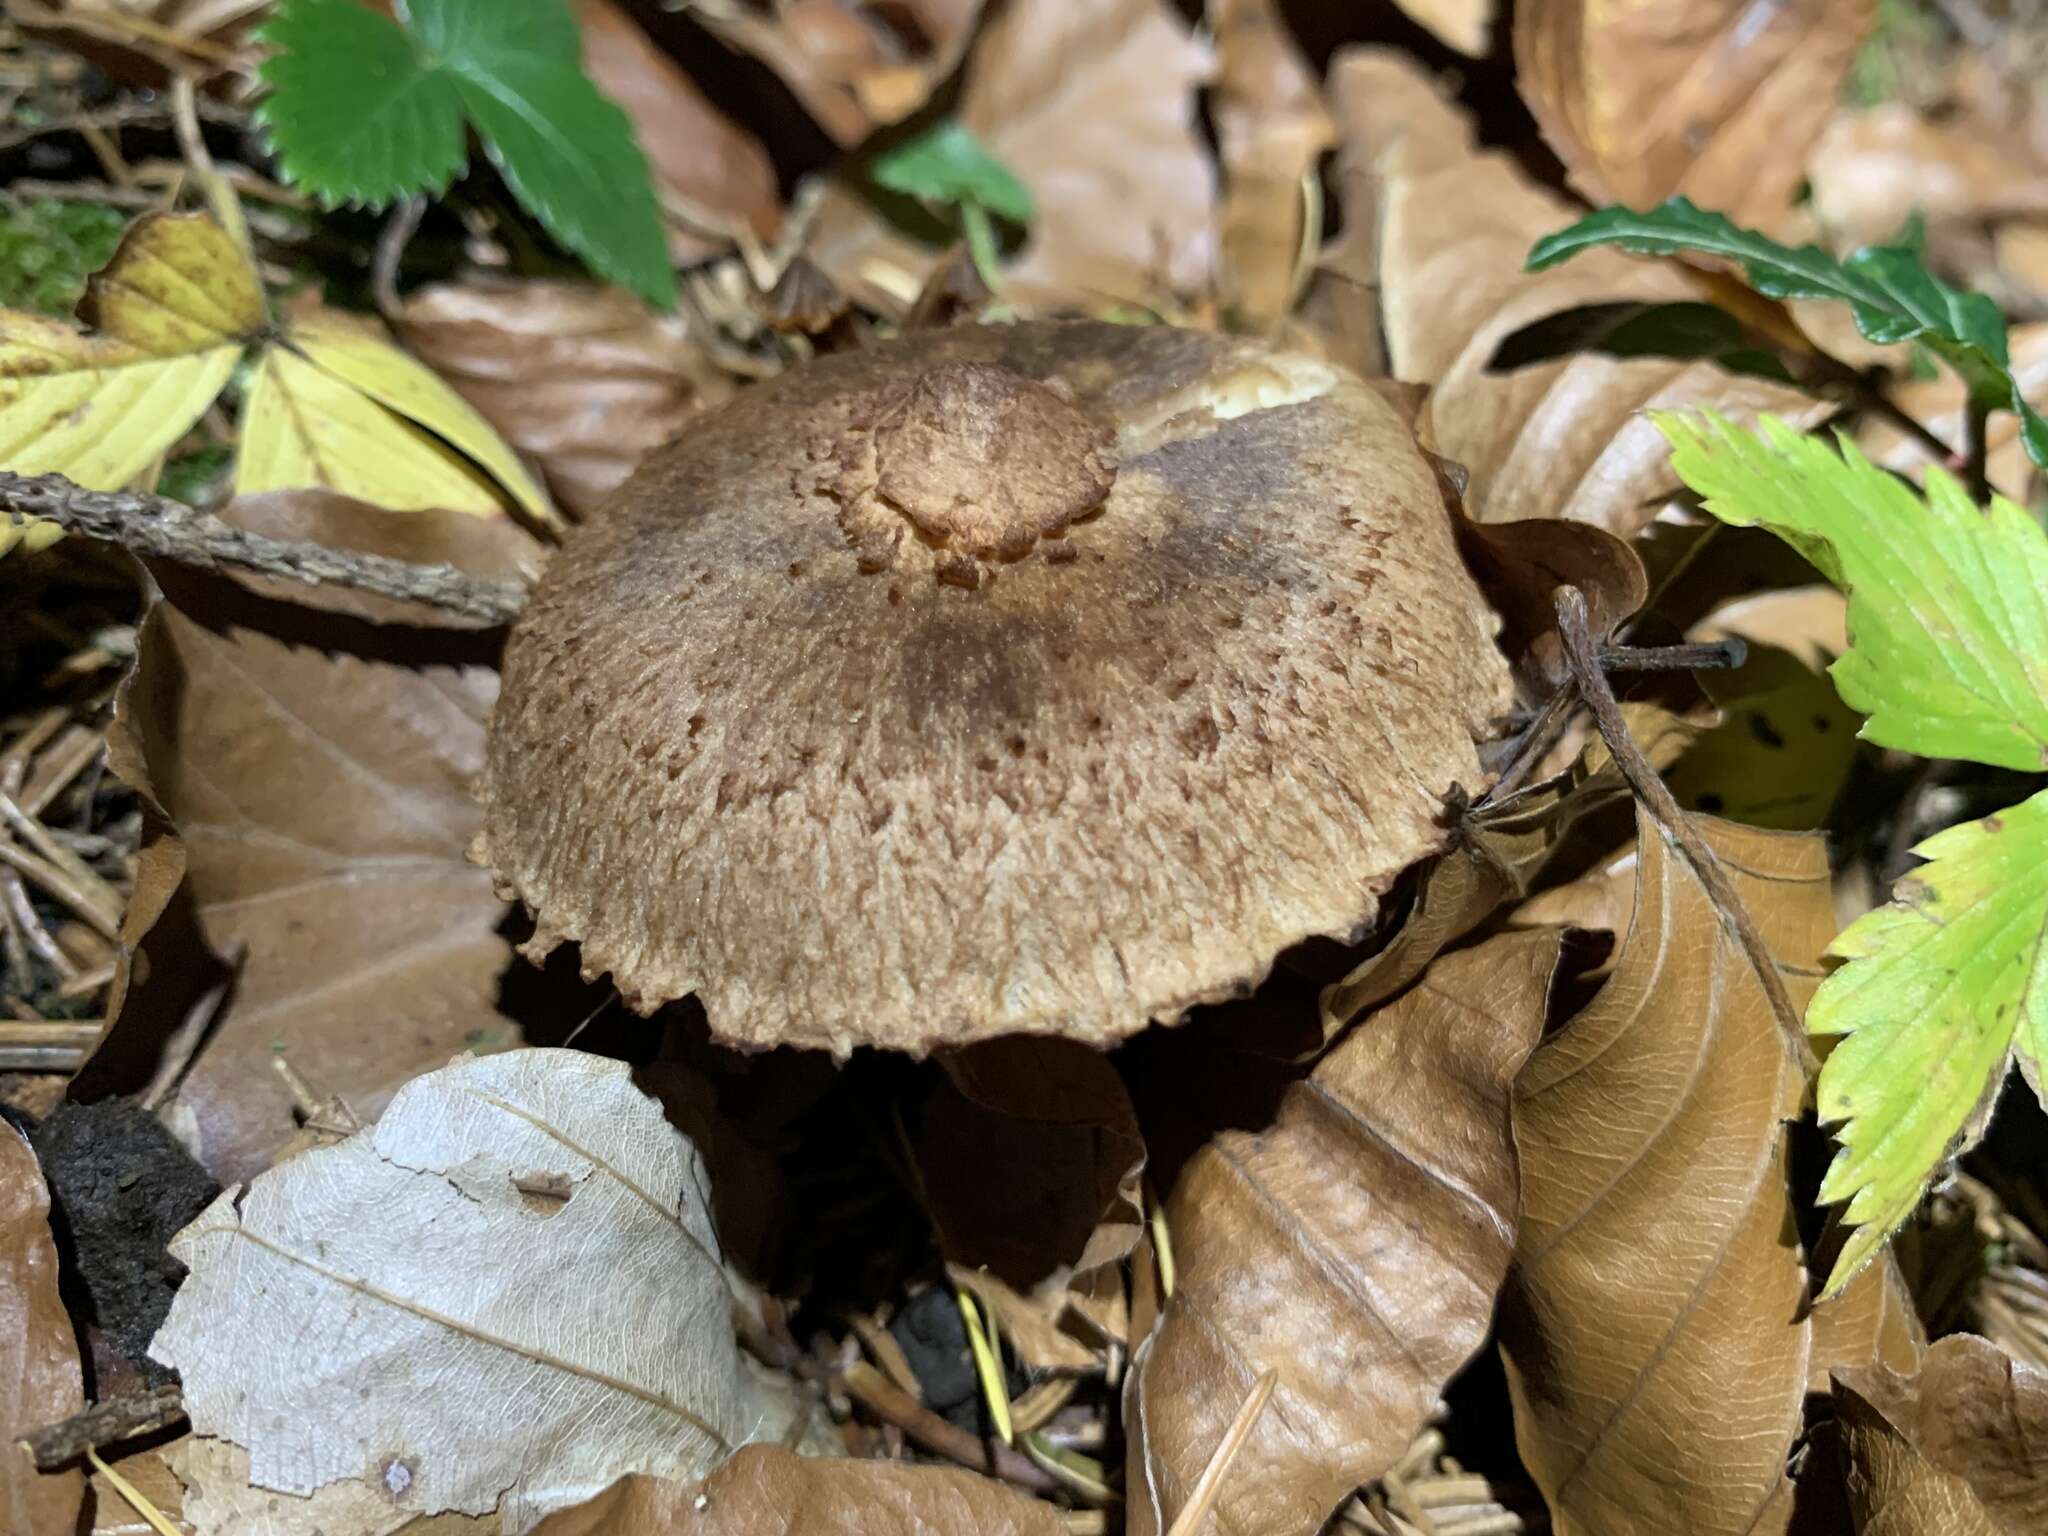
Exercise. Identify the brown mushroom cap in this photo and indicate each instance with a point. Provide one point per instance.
(1047, 677)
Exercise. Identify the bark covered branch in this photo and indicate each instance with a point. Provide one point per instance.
(163, 529)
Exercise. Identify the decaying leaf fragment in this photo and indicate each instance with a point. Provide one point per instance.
(315, 748)
(1564, 438)
(510, 1279)
(1958, 1449)
(1355, 1246)
(40, 1379)
(1716, 99)
(1653, 1324)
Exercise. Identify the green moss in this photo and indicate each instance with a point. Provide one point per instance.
(49, 246)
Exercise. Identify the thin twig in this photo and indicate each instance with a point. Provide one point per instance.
(170, 530)
(1976, 449)
(867, 1386)
(399, 228)
(1210, 1483)
(1574, 627)
(116, 1419)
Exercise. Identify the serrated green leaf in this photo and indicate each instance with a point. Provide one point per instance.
(391, 123)
(1941, 986)
(1888, 289)
(356, 112)
(1948, 606)
(946, 163)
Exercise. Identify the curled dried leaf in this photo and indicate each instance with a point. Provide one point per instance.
(1564, 438)
(1355, 1247)
(1709, 98)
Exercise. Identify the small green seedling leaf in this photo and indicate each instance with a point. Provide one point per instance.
(364, 110)
(1888, 289)
(947, 164)
(1948, 655)
(1948, 606)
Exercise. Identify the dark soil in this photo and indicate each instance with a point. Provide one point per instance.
(120, 1188)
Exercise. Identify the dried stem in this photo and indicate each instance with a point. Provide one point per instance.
(170, 530)
(867, 1386)
(1574, 627)
(116, 1419)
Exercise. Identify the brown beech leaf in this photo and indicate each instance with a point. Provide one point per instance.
(1715, 99)
(1466, 25)
(314, 749)
(1563, 438)
(708, 170)
(1092, 104)
(583, 379)
(1355, 1246)
(1271, 128)
(1654, 1327)
(1959, 1448)
(856, 65)
(40, 1378)
(764, 1491)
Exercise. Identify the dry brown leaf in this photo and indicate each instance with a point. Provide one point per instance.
(763, 1491)
(1653, 1325)
(1271, 128)
(1565, 438)
(315, 748)
(583, 379)
(1092, 104)
(854, 64)
(1355, 1246)
(1715, 99)
(1958, 1449)
(40, 1378)
(1466, 25)
(1030, 1158)
(1873, 170)
(149, 1472)
(707, 169)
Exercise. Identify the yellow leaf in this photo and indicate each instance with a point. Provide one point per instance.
(305, 427)
(357, 354)
(172, 310)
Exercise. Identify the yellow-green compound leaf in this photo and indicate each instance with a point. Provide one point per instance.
(172, 311)
(1941, 986)
(353, 351)
(1948, 606)
(305, 427)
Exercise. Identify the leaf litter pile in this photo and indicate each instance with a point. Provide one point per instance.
(1041, 767)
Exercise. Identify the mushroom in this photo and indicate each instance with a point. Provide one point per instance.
(1049, 677)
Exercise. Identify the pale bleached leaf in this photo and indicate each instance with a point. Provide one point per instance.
(505, 1294)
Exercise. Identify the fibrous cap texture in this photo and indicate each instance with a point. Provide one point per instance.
(1050, 677)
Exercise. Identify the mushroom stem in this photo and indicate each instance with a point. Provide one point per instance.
(161, 528)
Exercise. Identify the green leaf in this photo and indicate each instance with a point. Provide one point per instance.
(1941, 986)
(1948, 606)
(389, 122)
(946, 163)
(1888, 289)
(356, 112)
